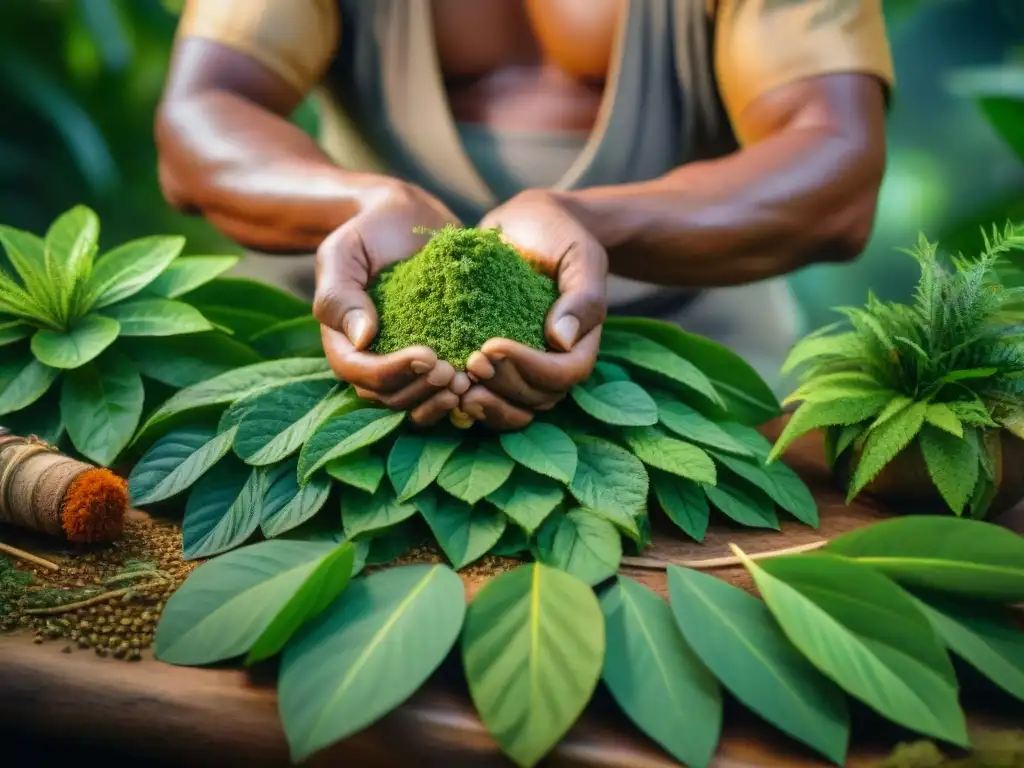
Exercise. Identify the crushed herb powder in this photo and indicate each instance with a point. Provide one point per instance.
(465, 287)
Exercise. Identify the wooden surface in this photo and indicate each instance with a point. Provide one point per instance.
(114, 710)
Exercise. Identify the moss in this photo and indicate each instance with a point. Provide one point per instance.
(466, 286)
(13, 584)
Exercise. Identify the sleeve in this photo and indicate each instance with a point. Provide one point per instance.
(296, 39)
(763, 44)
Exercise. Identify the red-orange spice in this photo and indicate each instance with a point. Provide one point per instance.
(94, 507)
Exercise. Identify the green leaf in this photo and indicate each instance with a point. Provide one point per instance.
(532, 650)
(244, 292)
(962, 557)
(473, 472)
(581, 543)
(41, 419)
(355, 664)
(345, 434)
(184, 361)
(22, 382)
(157, 317)
(385, 547)
(361, 470)
(990, 644)
(68, 248)
(188, 273)
(942, 416)
(735, 635)
(814, 414)
(865, 634)
(883, 443)
(127, 269)
(690, 425)
(298, 337)
(286, 505)
(814, 347)
(683, 502)
(228, 603)
(362, 512)
(608, 477)
(656, 678)
(605, 372)
(14, 330)
(952, 464)
(86, 341)
(465, 533)
(620, 403)
(101, 405)
(656, 449)
(223, 509)
(648, 355)
(747, 396)
(281, 420)
(415, 461)
(748, 506)
(544, 448)
(176, 462)
(26, 253)
(527, 498)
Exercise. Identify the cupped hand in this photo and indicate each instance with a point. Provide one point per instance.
(513, 381)
(347, 262)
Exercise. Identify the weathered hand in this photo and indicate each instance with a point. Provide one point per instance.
(515, 381)
(347, 261)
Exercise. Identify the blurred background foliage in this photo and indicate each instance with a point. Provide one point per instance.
(79, 80)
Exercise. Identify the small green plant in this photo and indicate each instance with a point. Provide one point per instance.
(946, 370)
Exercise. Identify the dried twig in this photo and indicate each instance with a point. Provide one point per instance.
(51, 609)
(28, 557)
(655, 564)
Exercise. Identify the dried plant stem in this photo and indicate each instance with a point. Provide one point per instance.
(28, 557)
(52, 609)
(730, 561)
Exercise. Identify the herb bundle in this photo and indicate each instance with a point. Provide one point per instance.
(944, 373)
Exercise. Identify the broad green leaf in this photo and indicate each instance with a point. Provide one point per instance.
(474, 471)
(236, 385)
(175, 462)
(896, 406)
(101, 405)
(656, 449)
(608, 477)
(14, 330)
(286, 505)
(363, 512)
(690, 425)
(512, 543)
(237, 292)
(281, 420)
(815, 414)
(883, 443)
(227, 603)
(415, 461)
(605, 372)
(223, 510)
(625, 521)
(239, 323)
(188, 273)
(527, 498)
(747, 396)
(184, 361)
(465, 533)
(157, 317)
(656, 678)
(356, 663)
(297, 337)
(68, 250)
(642, 352)
(683, 502)
(386, 546)
(833, 386)
(581, 543)
(23, 380)
(127, 269)
(815, 347)
(41, 419)
(974, 559)
(748, 506)
(532, 650)
(942, 416)
(620, 403)
(866, 635)
(986, 641)
(952, 464)
(345, 434)
(544, 448)
(735, 635)
(362, 470)
(86, 341)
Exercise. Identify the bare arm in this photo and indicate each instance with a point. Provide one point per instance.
(804, 190)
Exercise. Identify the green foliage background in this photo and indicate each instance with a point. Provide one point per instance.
(80, 79)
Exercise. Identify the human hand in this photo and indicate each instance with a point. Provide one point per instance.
(514, 381)
(347, 262)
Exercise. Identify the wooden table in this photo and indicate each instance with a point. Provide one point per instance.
(56, 706)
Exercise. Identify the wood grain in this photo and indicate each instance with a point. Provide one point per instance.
(64, 706)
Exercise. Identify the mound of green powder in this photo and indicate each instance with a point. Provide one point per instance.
(466, 286)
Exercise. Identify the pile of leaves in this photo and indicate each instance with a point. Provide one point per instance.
(666, 417)
(874, 616)
(946, 370)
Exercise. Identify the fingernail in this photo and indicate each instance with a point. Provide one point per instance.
(496, 357)
(438, 377)
(355, 326)
(566, 330)
(475, 412)
(420, 367)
